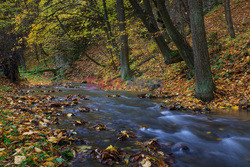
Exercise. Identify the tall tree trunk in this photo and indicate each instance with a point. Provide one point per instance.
(204, 85)
(44, 54)
(23, 62)
(21, 56)
(152, 22)
(161, 24)
(229, 18)
(182, 24)
(37, 56)
(110, 35)
(124, 55)
(167, 53)
(150, 15)
(184, 48)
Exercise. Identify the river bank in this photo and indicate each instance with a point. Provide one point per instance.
(31, 132)
(57, 124)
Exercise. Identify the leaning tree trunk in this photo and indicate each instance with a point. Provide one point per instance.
(159, 40)
(161, 24)
(184, 48)
(124, 55)
(167, 53)
(229, 18)
(204, 85)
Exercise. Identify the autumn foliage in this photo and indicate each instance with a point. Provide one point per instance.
(229, 63)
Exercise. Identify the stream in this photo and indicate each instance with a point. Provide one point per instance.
(221, 140)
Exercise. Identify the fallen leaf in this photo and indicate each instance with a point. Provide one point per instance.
(70, 115)
(50, 164)
(218, 139)
(84, 148)
(19, 159)
(38, 150)
(50, 159)
(111, 148)
(145, 162)
(29, 133)
(53, 140)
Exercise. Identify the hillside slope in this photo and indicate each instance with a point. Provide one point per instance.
(229, 63)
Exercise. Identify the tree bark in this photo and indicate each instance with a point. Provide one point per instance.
(161, 24)
(204, 85)
(21, 56)
(110, 35)
(167, 53)
(124, 54)
(184, 48)
(182, 24)
(44, 54)
(229, 18)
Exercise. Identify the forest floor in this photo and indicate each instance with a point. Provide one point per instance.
(28, 137)
(25, 138)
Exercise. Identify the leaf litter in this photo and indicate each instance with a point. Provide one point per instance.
(27, 136)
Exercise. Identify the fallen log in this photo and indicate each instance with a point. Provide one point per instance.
(53, 70)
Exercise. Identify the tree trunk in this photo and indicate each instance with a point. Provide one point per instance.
(44, 54)
(204, 86)
(229, 18)
(184, 48)
(150, 15)
(182, 24)
(160, 41)
(124, 55)
(109, 32)
(167, 53)
(37, 56)
(21, 56)
(161, 24)
(23, 62)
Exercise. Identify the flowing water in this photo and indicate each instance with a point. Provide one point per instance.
(195, 140)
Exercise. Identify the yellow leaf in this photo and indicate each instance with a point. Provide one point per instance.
(235, 107)
(50, 164)
(219, 139)
(111, 148)
(59, 136)
(79, 122)
(50, 159)
(2, 152)
(53, 140)
(208, 132)
(70, 115)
